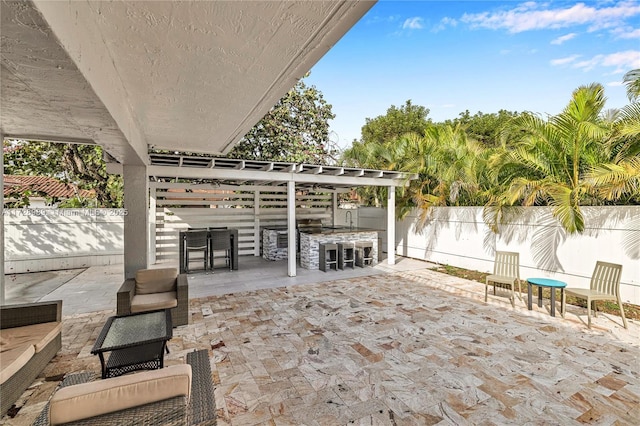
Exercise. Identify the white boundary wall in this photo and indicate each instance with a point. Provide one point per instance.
(50, 239)
(458, 236)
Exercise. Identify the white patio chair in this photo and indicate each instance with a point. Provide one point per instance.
(605, 285)
(506, 271)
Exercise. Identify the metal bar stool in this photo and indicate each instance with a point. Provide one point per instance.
(220, 241)
(328, 256)
(364, 252)
(346, 254)
(196, 241)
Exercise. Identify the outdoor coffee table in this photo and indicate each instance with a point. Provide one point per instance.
(135, 342)
(545, 282)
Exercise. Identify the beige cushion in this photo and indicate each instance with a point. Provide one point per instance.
(156, 280)
(38, 335)
(153, 302)
(92, 399)
(12, 360)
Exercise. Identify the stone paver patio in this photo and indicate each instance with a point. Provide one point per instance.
(406, 348)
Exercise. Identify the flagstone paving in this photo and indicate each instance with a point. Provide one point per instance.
(412, 348)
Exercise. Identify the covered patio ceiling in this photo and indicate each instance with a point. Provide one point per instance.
(136, 74)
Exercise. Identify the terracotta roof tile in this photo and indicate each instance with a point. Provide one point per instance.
(44, 185)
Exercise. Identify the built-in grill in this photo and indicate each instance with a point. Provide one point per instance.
(283, 239)
(309, 224)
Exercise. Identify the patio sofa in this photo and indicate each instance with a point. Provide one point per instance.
(30, 336)
(154, 289)
(175, 395)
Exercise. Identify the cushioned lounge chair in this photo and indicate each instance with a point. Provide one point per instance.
(191, 400)
(154, 289)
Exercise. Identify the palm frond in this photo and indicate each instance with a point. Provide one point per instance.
(613, 181)
(632, 81)
(566, 208)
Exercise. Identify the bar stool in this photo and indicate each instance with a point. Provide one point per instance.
(195, 241)
(346, 254)
(220, 241)
(364, 251)
(328, 256)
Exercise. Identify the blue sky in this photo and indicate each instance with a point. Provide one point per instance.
(452, 56)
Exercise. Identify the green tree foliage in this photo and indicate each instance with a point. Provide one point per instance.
(82, 165)
(377, 148)
(585, 155)
(484, 128)
(632, 81)
(295, 130)
(550, 158)
(619, 179)
(398, 121)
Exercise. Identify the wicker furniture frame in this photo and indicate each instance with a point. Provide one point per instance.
(23, 315)
(199, 410)
(179, 314)
(129, 354)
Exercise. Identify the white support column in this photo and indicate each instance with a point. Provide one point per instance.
(136, 222)
(2, 292)
(391, 225)
(291, 227)
(334, 204)
(152, 226)
(256, 224)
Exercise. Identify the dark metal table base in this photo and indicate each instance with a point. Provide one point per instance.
(553, 297)
(142, 357)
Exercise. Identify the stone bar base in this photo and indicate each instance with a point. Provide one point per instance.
(309, 243)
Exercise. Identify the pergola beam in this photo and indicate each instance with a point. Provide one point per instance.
(274, 176)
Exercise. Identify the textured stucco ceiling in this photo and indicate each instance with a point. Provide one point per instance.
(189, 76)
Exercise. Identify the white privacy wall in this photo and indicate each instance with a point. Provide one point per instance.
(457, 236)
(52, 239)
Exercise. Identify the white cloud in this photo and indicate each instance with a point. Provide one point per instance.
(414, 23)
(444, 23)
(536, 16)
(627, 33)
(564, 61)
(627, 59)
(614, 83)
(620, 61)
(383, 19)
(564, 38)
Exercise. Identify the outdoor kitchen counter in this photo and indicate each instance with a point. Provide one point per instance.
(311, 238)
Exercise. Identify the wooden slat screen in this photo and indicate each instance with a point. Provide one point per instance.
(181, 208)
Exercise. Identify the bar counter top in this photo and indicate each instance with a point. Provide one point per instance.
(329, 230)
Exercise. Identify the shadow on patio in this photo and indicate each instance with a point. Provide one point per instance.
(410, 347)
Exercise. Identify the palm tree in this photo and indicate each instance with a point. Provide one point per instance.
(632, 81)
(548, 164)
(370, 156)
(451, 169)
(620, 178)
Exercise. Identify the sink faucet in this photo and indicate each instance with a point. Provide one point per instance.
(349, 217)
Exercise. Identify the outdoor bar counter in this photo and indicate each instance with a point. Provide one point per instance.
(311, 238)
